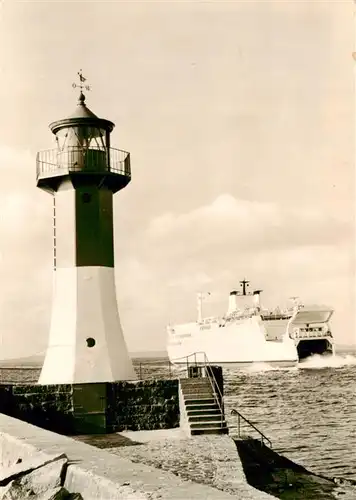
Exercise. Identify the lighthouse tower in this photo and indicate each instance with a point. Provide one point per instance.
(86, 343)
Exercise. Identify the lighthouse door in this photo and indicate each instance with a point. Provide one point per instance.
(89, 404)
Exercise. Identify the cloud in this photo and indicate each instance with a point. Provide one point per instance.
(285, 251)
(239, 226)
(25, 255)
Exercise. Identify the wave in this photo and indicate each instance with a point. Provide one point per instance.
(318, 361)
(260, 367)
(265, 367)
(315, 361)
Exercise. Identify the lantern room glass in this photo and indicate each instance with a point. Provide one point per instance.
(82, 137)
(82, 148)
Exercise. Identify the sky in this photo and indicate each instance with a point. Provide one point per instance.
(239, 117)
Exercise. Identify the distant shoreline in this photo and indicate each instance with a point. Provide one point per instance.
(36, 362)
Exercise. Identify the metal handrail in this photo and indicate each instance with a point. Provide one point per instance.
(144, 364)
(188, 356)
(263, 437)
(211, 379)
(216, 389)
(214, 386)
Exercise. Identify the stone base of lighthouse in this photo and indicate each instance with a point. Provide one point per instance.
(86, 343)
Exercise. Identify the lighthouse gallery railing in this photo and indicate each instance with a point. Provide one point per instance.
(54, 162)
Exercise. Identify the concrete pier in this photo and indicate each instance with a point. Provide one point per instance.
(99, 474)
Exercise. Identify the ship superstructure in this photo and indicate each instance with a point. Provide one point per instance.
(250, 333)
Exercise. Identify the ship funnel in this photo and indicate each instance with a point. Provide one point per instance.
(257, 299)
(232, 302)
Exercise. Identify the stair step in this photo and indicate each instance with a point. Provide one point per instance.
(196, 383)
(186, 380)
(203, 411)
(198, 390)
(192, 401)
(199, 396)
(196, 386)
(200, 406)
(203, 417)
(216, 430)
(207, 425)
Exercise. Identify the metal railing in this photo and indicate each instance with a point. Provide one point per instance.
(217, 392)
(311, 334)
(147, 370)
(241, 417)
(217, 395)
(54, 162)
(198, 359)
(275, 316)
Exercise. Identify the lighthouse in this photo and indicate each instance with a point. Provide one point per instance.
(86, 343)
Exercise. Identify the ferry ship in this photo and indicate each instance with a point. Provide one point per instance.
(249, 333)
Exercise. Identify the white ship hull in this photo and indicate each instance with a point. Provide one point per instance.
(281, 341)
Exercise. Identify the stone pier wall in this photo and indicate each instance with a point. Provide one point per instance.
(49, 407)
(143, 405)
(94, 408)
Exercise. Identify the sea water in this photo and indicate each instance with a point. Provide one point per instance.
(308, 412)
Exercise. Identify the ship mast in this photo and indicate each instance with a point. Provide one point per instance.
(200, 297)
(296, 303)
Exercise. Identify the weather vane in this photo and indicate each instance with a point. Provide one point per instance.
(81, 84)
